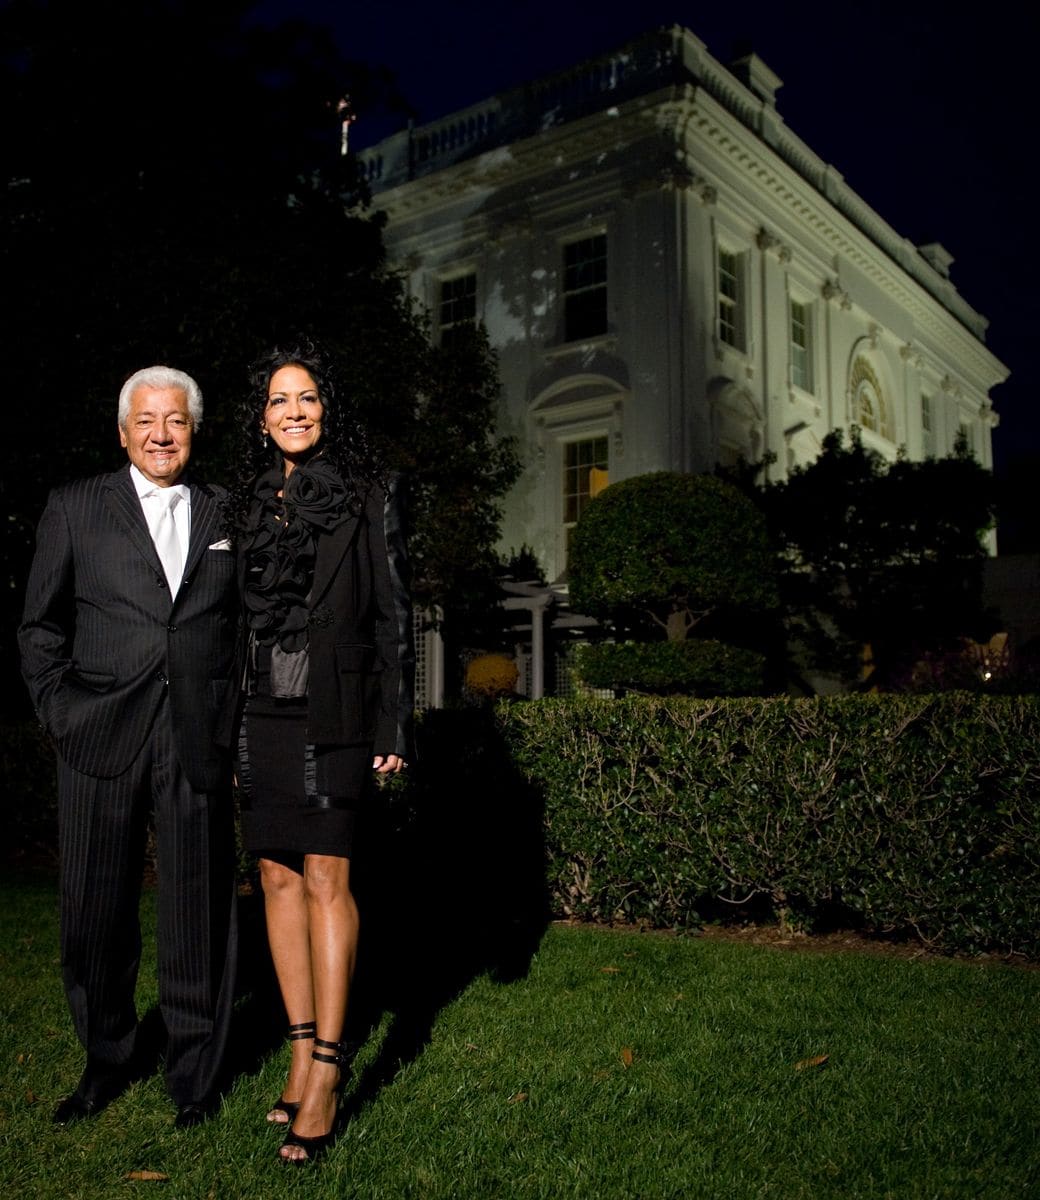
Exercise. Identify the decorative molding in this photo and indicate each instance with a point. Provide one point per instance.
(726, 395)
(911, 356)
(580, 349)
(873, 334)
(953, 323)
(832, 290)
(680, 177)
(767, 241)
(619, 441)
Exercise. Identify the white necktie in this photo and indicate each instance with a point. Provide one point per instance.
(167, 544)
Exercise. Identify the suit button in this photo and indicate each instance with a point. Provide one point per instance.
(171, 628)
(161, 676)
(160, 581)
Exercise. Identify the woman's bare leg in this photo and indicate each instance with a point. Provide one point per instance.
(285, 904)
(333, 923)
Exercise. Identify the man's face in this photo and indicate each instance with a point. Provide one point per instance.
(157, 436)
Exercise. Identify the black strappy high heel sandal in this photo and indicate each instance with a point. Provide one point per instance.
(303, 1032)
(315, 1147)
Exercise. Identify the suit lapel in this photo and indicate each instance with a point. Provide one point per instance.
(122, 499)
(205, 524)
(329, 554)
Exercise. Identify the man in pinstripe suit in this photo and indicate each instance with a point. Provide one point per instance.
(127, 644)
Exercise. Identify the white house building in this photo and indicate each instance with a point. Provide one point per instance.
(671, 279)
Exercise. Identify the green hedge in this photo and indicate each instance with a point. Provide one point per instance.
(911, 814)
(907, 814)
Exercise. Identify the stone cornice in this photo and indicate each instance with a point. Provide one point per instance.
(816, 214)
(685, 139)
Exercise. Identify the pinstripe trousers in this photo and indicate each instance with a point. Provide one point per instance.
(102, 832)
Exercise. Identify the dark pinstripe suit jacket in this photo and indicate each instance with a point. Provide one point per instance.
(101, 642)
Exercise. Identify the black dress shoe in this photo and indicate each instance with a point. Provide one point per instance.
(190, 1115)
(94, 1093)
(74, 1108)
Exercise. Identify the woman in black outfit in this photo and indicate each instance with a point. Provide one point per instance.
(327, 698)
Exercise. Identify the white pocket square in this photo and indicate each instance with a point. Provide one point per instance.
(223, 544)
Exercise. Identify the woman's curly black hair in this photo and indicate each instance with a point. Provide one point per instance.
(343, 440)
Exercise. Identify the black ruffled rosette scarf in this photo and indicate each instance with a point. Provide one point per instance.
(280, 536)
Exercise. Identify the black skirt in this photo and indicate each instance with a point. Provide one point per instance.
(297, 798)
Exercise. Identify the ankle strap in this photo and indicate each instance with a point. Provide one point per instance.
(337, 1048)
(302, 1032)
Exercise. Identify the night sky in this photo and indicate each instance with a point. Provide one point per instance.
(928, 116)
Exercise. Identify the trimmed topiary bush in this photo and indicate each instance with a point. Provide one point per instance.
(702, 667)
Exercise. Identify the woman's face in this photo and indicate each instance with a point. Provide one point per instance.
(293, 415)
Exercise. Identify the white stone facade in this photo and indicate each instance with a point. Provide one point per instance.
(671, 278)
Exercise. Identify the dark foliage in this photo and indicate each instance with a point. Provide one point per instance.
(883, 562)
(174, 192)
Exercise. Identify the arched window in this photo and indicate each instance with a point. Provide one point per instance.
(870, 410)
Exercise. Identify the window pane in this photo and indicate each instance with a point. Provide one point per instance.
(458, 305)
(801, 375)
(868, 409)
(585, 288)
(585, 474)
(585, 263)
(586, 315)
(731, 319)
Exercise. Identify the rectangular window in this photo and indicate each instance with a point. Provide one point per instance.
(585, 288)
(927, 426)
(731, 299)
(585, 475)
(458, 306)
(801, 345)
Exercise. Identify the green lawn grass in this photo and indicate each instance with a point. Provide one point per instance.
(620, 1065)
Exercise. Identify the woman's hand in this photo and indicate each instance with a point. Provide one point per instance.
(390, 765)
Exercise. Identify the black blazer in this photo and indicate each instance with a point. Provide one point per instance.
(361, 686)
(101, 642)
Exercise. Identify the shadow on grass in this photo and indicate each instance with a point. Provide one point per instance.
(450, 883)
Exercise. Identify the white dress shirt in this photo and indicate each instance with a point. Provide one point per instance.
(153, 505)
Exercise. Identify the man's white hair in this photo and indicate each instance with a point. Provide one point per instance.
(161, 377)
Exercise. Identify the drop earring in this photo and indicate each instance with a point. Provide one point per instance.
(264, 434)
